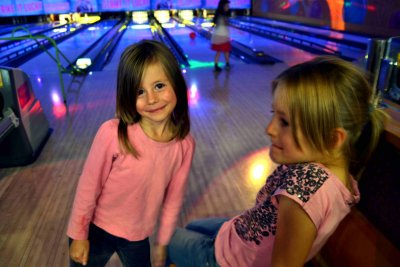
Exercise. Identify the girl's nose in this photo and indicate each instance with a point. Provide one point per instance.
(270, 130)
(152, 97)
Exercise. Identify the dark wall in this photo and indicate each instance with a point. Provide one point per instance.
(380, 194)
(370, 17)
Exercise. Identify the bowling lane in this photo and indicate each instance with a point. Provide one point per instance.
(313, 30)
(33, 28)
(198, 48)
(286, 53)
(50, 87)
(315, 42)
(71, 48)
(4, 29)
(11, 49)
(133, 33)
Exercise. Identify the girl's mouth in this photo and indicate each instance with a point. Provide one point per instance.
(155, 110)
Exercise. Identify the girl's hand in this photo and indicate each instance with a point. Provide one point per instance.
(159, 256)
(79, 251)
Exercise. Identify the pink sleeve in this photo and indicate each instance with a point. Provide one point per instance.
(94, 174)
(174, 195)
(310, 186)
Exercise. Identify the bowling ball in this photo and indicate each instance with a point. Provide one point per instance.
(192, 35)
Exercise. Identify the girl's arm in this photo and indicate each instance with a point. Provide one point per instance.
(94, 174)
(174, 196)
(294, 236)
(172, 204)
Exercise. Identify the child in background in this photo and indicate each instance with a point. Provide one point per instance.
(220, 38)
(138, 165)
(324, 127)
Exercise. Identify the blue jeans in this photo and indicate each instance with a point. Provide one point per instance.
(103, 245)
(194, 245)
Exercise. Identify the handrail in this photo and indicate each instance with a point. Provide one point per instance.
(60, 68)
(31, 37)
(14, 58)
(18, 56)
(10, 43)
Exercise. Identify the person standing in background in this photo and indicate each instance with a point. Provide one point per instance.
(220, 38)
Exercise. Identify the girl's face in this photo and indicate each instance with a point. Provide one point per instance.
(226, 7)
(156, 98)
(283, 146)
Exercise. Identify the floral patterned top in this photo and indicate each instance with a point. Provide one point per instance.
(247, 239)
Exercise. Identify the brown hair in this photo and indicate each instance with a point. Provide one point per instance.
(134, 60)
(326, 93)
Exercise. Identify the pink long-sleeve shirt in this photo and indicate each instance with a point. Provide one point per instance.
(125, 196)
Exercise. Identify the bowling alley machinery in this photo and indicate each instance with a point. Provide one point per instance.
(58, 84)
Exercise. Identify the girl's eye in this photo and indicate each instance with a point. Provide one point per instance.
(284, 122)
(159, 86)
(140, 92)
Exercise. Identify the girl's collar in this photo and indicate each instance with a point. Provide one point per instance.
(147, 134)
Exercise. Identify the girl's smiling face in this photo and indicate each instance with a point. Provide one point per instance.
(156, 98)
(283, 146)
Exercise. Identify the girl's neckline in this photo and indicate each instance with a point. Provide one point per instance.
(152, 140)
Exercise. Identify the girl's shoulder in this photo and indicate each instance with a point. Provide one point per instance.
(302, 179)
(108, 131)
(107, 134)
(189, 139)
(108, 127)
(188, 143)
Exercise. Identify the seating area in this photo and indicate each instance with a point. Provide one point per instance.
(356, 242)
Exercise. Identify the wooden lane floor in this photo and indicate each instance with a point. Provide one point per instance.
(229, 112)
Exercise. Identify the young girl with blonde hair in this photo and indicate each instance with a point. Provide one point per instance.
(325, 124)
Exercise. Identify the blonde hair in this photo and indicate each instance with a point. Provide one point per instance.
(327, 93)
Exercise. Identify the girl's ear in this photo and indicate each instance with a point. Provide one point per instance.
(339, 136)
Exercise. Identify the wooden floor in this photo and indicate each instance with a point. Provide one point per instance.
(229, 112)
